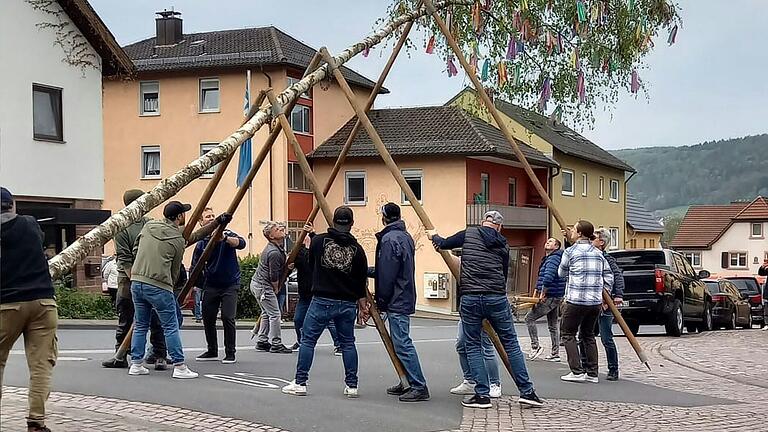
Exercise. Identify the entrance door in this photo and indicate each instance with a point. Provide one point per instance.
(519, 277)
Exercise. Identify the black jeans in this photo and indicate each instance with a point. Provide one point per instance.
(580, 319)
(125, 314)
(215, 298)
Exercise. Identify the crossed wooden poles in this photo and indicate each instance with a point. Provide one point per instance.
(363, 121)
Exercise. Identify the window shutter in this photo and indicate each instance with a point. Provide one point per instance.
(725, 260)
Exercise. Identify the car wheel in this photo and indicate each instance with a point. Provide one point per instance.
(731, 323)
(706, 320)
(748, 325)
(674, 324)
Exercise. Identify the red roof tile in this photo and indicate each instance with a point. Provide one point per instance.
(704, 224)
(756, 210)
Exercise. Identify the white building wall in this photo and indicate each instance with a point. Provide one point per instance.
(737, 239)
(75, 168)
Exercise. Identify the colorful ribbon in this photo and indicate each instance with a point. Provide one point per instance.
(486, 66)
(512, 48)
(635, 84)
(502, 72)
(672, 36)
(452, 68)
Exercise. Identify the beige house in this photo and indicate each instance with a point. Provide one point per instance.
(643, 230)
(590, 184)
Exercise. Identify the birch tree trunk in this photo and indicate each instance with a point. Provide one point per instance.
(170, 186)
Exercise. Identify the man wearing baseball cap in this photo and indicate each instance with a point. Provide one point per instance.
(159, 249)
(27, 304)
(483, 295)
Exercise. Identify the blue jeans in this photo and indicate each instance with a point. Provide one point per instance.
(606, 335)
(494, 308)
(399, 328)
(489, 356)
(321, 312)
(198, 307)
(145, 298)
(281, 300)
(298, 321)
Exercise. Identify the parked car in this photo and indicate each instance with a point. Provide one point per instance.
(661, 288)
(750, 288)
(729, 307)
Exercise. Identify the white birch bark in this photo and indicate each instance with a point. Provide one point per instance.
(170, 186)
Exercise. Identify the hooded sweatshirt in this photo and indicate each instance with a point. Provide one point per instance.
(158, 250)
(23, 268)
(340, 266)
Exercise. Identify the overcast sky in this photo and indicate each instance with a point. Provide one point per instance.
(712, 84)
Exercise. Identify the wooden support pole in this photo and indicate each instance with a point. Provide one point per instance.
(526, 166)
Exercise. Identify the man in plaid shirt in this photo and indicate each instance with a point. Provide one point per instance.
(587, 272)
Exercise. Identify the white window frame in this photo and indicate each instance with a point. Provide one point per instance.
(413, 173)
(355, 174)
(200, 84)
(562, 182)
(693, 257)
(601, 189)
(513, 184)
(614, 238)
(150, 149)
(485, 177)
(611, 198)
(752, 230)
(305, 95)
(143, 113)
(584, 184)
(737, 255)
(292, 168)
(306, 129)
(205, 148)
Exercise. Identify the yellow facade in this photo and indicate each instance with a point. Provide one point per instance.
(587, 204)
(642, 240)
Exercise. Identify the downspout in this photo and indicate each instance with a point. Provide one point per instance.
(625, 208)
(271, 204)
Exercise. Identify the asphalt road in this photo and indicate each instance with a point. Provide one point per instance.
(250, 389)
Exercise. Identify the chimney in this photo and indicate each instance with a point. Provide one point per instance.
(168, 27)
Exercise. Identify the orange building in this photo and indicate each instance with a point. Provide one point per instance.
(189, 94)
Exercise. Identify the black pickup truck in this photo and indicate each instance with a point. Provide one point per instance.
(661, 288)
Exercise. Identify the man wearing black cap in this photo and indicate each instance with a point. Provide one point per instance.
(27, 305)
(483, 295)
(338, 288)
(159, 250)
(396, 296)
(124, 241)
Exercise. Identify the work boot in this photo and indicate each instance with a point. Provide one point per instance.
(415, 395)
(115, 363)
(398, 390)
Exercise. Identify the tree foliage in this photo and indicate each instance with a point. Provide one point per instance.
(671, 225)
(567, 57)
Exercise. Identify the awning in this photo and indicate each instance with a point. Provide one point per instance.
(67, 216)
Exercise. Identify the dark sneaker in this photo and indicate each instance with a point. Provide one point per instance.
(280, 349)
(114, 363)
(34, 427)
(613, 376)
(207, 356)
(263, 346)
(530, 399)
(337, 351)
(151, 359)
(295, 347)
(477, 401)
(229, 359)
(415, 395)
(161, 364)
(398, 390)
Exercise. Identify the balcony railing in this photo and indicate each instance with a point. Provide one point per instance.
(514, 217)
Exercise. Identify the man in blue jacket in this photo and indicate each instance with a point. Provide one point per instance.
(222, 282)
(551, 288)
(396, 296)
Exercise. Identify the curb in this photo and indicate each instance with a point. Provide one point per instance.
(189, 324)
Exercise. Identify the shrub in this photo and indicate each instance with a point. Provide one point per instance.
(83, 305)
(247, 307)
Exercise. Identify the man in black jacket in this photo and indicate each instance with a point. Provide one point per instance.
(338, 287)
(396, 296)
(27, 305)
(483, 295)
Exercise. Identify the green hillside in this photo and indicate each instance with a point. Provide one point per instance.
(715, 172)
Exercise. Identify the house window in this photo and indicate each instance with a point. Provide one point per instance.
(738, 259)
(205, 148)
(485, 188)
(150, 162)
(614, 190)
(354, 188)
(567, 183)
(46, 113)
(512, 192)
(209, 95)
(633, 243)
(601, 189)
(694, 258)
(296, 179)
(652, 243)
(300, 121)
(414, 179)
(614, 237)
(292, 231)
(757, 230)
(150, 98)
(583, 184)
(307, 94)
(645, 243)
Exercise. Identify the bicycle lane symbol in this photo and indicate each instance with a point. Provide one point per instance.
(249, 379)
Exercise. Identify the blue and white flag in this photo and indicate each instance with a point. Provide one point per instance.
(244, 164)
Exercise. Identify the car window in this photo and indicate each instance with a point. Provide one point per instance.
(745, 285)
(712, 287)
(639, 259)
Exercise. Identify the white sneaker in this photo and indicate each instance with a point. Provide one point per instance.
(535, 353)
(552, 358)
(295, 389)
(765, 327)
(350, 392)
(495, 391)
(572, 377)
(591, 379)
(138, 369)
(183, 372)
(465, 388)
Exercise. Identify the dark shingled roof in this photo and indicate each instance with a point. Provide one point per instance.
(425, 131)
(641, 219)
(558, 135)
(230, 48)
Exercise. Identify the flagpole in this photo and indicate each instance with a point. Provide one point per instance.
(250, 186)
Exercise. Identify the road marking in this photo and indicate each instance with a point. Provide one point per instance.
(243, 381)
(72, 359)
